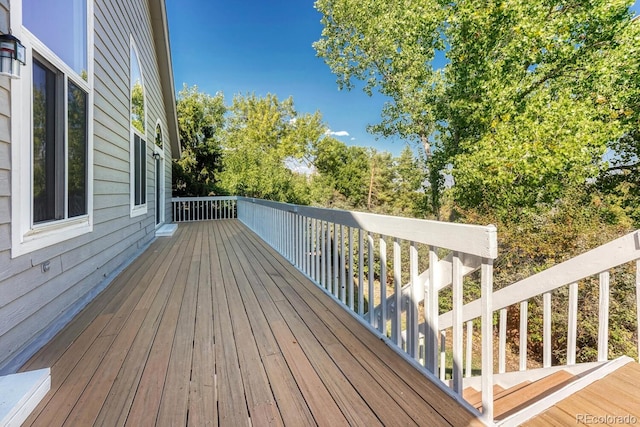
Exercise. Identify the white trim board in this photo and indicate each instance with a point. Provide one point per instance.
(20, 394)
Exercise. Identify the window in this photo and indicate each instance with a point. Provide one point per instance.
(60, 25)
(52, 199)
(140, 178)
(138, 138)
(158, 155)
(52, 124)
(159, 141)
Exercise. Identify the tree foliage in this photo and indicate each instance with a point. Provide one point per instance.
(261, 137)
(200, 124)
(532, 94)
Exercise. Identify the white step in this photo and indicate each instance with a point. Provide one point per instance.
(20, 393)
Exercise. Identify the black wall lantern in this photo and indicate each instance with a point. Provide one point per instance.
(12, 56)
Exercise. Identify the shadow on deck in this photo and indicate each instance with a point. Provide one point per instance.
(212, 327)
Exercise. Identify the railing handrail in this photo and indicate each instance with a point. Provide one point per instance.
(470, 239)
(603, 258)
(202, 198)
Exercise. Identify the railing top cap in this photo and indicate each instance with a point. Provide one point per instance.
(471, 239)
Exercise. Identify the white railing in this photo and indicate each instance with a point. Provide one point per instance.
(390, 273)
(203, 208)
(378, 267)
(591, 269)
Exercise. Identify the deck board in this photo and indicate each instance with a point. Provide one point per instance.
(212, 327)
(614, 396)
(378, 354)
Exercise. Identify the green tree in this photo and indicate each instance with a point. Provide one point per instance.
(530, 97)
(201, 120)
(408, 185)
(342, 174)
(262, 136)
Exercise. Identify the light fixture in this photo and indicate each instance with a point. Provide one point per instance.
(12, 56)
(156, 155)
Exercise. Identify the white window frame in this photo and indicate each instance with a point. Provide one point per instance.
(26, 236)
(137, 210)
(160, 151)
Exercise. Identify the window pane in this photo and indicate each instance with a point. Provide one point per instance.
(143, 172)
(136, 165)
(44, 147)
(77, 151)
(140, 170)
(62, 26)
(158, 188)
(158, 136)
(137, 94)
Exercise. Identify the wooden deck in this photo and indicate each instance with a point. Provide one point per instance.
(612, 400)
(212, 327)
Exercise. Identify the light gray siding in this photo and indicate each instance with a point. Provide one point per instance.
(35, 304)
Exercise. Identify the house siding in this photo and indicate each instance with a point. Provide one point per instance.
(35, 304)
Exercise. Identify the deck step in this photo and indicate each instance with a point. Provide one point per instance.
(521, 395)
(510, 400)
(474, 397)
(20, 393)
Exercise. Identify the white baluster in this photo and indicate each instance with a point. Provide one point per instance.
(603, 323)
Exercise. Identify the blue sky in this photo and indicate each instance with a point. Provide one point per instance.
(265, 47)
(258, 46)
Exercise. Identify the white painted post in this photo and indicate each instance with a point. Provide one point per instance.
(412, 311)
(329, 262)
(456, 283)
(299, 242)
(397, 287)
(638, 303)
(329, 258)
(286, 232)
(443, 355)
(469, 355)
(305, 245)
(351, 296)
(316, 249)
(336, 265)
(361, 272)
(295, 240)
(546, 330)
(431, 308)
(502, 341)
(572, 327)
(486, 272)
(524, 313)
(603, 320)
(312, 248)
(383, 286)
(371, 254)
(323, 236)
(343, 262)
(290, 232)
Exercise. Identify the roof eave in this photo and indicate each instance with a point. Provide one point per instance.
(160, 27)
